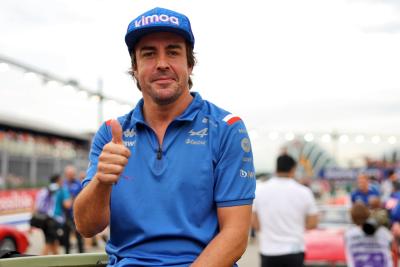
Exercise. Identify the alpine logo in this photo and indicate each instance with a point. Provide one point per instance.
(156, 18)
(200, 133)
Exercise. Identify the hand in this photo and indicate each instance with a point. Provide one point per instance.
(113, 158)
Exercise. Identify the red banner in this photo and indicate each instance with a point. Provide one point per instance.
(17, 200)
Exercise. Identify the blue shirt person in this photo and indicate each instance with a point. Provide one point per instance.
(174, 178)
(364, 191)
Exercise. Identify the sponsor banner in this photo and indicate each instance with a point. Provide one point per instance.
(350, 174)
(17, 201)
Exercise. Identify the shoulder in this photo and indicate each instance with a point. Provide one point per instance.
(222, 117)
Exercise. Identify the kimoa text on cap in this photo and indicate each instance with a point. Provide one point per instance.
(145, 20)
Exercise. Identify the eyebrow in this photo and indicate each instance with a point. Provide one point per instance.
(171, 46)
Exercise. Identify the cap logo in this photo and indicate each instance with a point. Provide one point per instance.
(145, 20)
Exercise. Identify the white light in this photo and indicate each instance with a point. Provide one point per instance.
(95, 98)
(4, 67)
(52, 84)
(360, 139)
(376, 139)
(69, 87)
(392, 140)
(343, 138)
(30, 76)
(308, 137)
(326, 138)
(289, 136)
(273, 136)
(82, 94)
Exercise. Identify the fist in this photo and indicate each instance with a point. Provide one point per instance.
(113, 158)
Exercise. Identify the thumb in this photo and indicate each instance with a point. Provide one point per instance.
(116, 131)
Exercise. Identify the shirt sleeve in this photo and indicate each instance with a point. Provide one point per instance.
(312, 209)
(234, 171)
(102, 137)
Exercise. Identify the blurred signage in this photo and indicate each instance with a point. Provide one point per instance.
(17, 201)
(350, 174)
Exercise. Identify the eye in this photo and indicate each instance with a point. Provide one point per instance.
(148, 54)
(173, 52)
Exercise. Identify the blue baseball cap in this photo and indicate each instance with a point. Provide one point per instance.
(158, 20)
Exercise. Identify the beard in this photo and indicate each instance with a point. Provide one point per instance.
(165, 94)
(163, 101)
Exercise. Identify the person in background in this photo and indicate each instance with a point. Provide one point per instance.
(387, 186)
(364, 192)
(368, 248)
(73, 184)
(52, 200)
(174, 178)
(283, 210)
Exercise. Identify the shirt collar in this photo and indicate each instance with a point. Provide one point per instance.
(188, 115)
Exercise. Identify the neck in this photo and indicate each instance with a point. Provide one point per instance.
(283, 174)
(157, 115)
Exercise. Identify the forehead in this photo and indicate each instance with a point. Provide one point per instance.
(160, 39)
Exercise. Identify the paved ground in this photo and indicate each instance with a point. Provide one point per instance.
(249, 259)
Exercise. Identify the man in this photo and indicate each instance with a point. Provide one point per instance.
(364, 193)
(283, 209)
(52, 200)
(174, 178)
(73, 184)
(388, 185)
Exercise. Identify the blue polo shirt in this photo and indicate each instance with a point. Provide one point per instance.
(164, 206)
(363, 197)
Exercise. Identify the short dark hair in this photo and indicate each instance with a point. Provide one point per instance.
(55, 178)
(285, 163)
(191, 61)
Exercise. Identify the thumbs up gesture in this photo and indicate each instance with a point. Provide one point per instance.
(113, 158)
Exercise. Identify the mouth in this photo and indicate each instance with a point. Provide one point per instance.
(163, 79)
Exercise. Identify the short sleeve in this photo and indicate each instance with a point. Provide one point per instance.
(102, 137)
(234, 171)
(312, 208)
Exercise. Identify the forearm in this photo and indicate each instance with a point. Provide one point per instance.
(224, 250)
(92, 208)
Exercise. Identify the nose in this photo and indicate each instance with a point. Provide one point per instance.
(162, 62)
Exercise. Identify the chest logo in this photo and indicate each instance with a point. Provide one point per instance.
(200, 133)
(129, 133)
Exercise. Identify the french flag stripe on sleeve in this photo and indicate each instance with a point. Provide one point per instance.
(231, 119)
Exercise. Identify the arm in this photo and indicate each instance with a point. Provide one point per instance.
(91, 208)
(92, 205)
(230, 243)
(311, 221)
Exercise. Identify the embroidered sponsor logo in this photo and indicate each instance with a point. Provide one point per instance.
(194, 142)
(129, 133)
(129, 143)
(242, 131)
(245, 143)
(145, 20)
(247, 159)
(247, 174)
(204, 120)
(200, 133)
